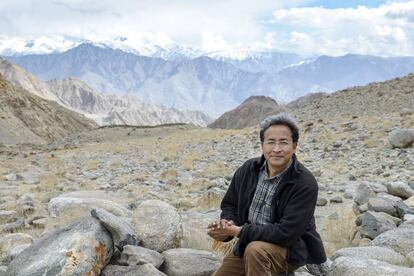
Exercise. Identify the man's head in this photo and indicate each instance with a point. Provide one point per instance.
(279, 137)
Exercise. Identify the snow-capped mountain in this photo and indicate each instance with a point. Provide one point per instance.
(104, 109)
(212, 85)
(335, 73)
(269, 62)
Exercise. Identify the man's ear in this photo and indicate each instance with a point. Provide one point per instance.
(295, 145)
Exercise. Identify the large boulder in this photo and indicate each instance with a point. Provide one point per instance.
(158, 225)
(194, 225)
(10, 241)
(81, 248)
(347, 266)
(410, 202)
(400, 138)
(400, 189)
(400, 240)
(378, 204)
(136, 270)
(15, 251)
(189, 262)
(122, 232)
(374, 223)
(363, 193)
(82, 203)
(372, 252)
(137, 255)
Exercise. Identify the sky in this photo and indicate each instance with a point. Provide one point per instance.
(306, 27)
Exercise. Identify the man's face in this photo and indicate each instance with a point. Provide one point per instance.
(278, 147)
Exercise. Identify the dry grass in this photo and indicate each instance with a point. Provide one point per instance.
(92, 165)
(48, 182)
(169, 174)
(215, 169)
(223, 248)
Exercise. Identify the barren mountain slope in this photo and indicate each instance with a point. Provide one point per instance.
(27, 118)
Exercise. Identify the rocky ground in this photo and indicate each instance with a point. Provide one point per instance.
(119, 168)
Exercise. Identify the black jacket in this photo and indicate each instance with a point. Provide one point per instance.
(294, 204)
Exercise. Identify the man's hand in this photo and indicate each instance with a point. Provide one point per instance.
(221, 229)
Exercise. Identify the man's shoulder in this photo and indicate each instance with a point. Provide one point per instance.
(306, 175)
(251, 164)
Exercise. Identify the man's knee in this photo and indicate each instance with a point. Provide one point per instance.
(264, 249)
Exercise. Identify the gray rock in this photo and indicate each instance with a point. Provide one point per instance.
(374, 223)
(378, 204)
(194, 229)
(122, 232)
(336, 199)
(10, 241)
(3, 270)
(62, 205)
(363, 193)
(26, 204)
(13, 252)
(410, 202)
(319, 269)
(408, 218)
(82, 247)
(378, 188)
(372, 252)
(158, 225)
(400, 189)
(349, 194)
(139, 270)
(403, 209)
(363, 208)
(321, 201)
(189, 262)
(401, 138)
(400, 240)
(407, 224)
(137, 255)
(347, 266)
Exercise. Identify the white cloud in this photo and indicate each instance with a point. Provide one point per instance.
(216, 25)
(180, 21)
(386, 30)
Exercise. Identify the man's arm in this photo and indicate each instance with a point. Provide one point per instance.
(224, 228)
(229, 204)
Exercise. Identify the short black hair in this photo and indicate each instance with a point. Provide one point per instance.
(280, 119)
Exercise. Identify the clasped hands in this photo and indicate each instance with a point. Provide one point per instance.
(221, 229)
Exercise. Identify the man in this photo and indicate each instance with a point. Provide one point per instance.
(269, 206)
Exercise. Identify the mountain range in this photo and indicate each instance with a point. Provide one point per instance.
(104, 109)
(213, 84)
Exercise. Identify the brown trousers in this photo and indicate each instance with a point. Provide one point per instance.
(259, 259)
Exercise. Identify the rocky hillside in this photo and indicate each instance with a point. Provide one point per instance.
(374, 99)
(108, 109)
(249, 113)
(27, 118)
(104, 109)
(21, 77)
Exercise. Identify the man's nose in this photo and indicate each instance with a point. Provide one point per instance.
(276, 147)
